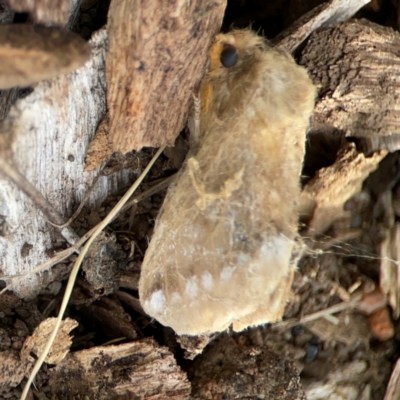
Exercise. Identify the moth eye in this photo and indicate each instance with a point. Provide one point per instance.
(229, 56)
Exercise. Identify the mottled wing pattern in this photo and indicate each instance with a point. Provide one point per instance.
(223, 242)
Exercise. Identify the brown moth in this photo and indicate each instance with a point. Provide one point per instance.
(222, 247)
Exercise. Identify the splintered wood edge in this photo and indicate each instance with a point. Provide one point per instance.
(332, 186)
(327, 14)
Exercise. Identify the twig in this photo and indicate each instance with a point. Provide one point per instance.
(75, 270)
(62, 255)
(289, 323)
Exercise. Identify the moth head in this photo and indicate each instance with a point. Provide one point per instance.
(235, 63)
(231, 51)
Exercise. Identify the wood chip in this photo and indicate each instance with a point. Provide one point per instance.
(73, 104)
(141, 367)
(40, 336)
(324, 196)
(114, 321)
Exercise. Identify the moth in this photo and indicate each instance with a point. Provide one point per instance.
(222, 253)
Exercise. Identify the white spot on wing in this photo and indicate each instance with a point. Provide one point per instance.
(272, 258)
(207, 281)
(157, 302)
(277, 247)
(226, 274)
(192, 287)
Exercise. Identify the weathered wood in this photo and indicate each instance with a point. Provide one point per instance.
(155, 61)
(45, 136)
(61, 346)
(142, 367)
(324, 196)
(355, 66)
(326, 14)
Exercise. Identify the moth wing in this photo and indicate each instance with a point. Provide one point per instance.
(197, 284)
(216, 256)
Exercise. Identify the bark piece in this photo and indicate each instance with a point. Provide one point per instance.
(231, 371)
(49, 12)
(324, 196)
(143, 368)
(355, 67)
(29, 54)
(326, 14)
(40, 336)
(155, 61)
